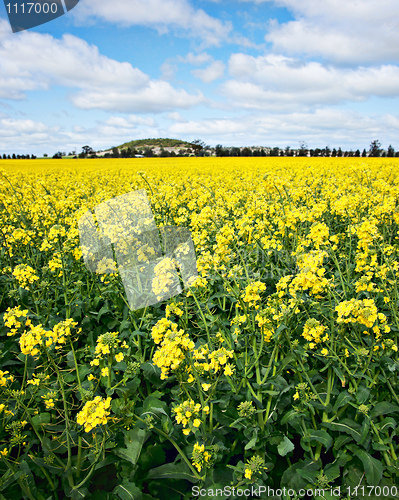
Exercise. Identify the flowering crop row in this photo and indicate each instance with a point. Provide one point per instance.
(276, 367)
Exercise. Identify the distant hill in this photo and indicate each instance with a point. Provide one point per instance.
(160, 143)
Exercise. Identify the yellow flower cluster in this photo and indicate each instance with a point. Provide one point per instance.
(188, 413)
(311, 276)
(265, 325)
(4, 379)
(319, 234)
(172, 351)
(25, 275)
(33, 339)
(106, 344)
(361, 311)
(12, 319)
(213, 361)
(251, 295)
(200, 458)
(174, 309)
(94, 413)
(314, 332)
(254, 466)
(165, 277)
(367, 233)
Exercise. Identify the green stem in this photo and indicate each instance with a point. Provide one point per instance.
(173, 442)
(203, 318)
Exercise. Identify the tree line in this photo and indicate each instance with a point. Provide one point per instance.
(375, 150)
(199, 148)
(17, 157)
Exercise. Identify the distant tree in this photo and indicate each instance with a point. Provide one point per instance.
(275, 151)
(148, 152)
(33, 157)
(4, 156)
(364, 153)
(326, 151)
(334, 152)
(14, 157)
(262, 152)
(58, 155)
(287, 151)
(198, 146)
(246, 152)
(357, 152)
(303, 149)
(115, 153)
(87, 150)
(391, 151)
(339, 152)
(375, 149)
(218, 150)
(8, 157)
(45, 155)
(164, 153)
(235, 151)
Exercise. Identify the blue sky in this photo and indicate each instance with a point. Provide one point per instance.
(243, 72)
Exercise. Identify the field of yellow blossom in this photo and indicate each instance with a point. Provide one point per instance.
(276, 368)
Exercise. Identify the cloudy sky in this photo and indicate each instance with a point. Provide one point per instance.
(231, 72)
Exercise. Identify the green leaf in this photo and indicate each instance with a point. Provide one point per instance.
(285, 446)
(362, 394)
(134, 440)
(386, 424)
(172, 471)
(128, 491)
(291, 415)
(383, 408)
(103, 310)
(321, 437)
(41, 419)
(341, 440)
(365, 430)
(9, 479)
(342, 399)
(346, 425)
(80, 493)
(300, 474)
(372, 467)
(339, 374)
(253, 440)
(152, 374)
(152, 456)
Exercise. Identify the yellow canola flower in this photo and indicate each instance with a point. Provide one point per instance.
(94, 413)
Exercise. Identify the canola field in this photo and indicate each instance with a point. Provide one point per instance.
(277, 367)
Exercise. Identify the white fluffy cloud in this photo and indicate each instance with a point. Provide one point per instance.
(327, 126)
(36, 61)
(159, 14)
(277, 82)
(26, 136)
(212, 72)
(342, 31)
(20, 134)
